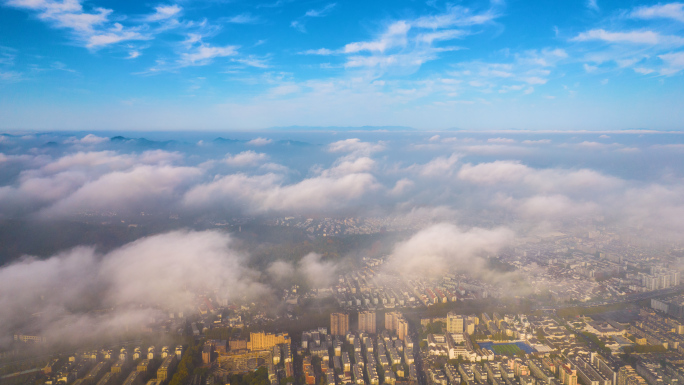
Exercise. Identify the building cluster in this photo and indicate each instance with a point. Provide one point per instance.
(656, 330)
(326, 227)
(108, 367)
(238, 355)
(357, 358)
(367, 289)
(673, 306)
(660, 278)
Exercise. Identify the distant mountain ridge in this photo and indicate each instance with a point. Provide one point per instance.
(338, 128)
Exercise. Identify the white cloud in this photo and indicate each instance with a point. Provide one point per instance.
(11, 76)
(449, 34)
(135, 189)
(320, 12)
(445, 247)
(85, 181)
(267, 193)
(631, 37)
(260, 141)
(113, 35)
(500, 140)
(245, 158)
(643, 71)
(510, 173)
(589, 68)
(550, 207)
(438, 167)
(284, 89)
(320, 51)
(505, 89)
(408, 44)
(535, 80)
(540, 141)
(252, 61)
(402, 186)
(138, 282)
(244, 18)
(394, 36)
(355, 145)
(593, 5)
(317, 272)
(325, 11)
(674, 63)
(94, 29)
(456, 16)
(660, 11)
(204, 54)
(88, 139)
(164, 12)
(347, 165)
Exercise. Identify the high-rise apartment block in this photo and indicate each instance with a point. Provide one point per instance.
(367, 322)
(339, 324)
(454, 323)
(660, 278)
(396, 322)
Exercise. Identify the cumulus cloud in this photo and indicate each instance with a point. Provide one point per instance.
(660, 11)
(245, 158)
(543, 208)
(260, 141)
(136, 189)
(437, 167)
(268, 193)
(164, 12)
(137, 283)
(356, 146)
(657, 208)
(311, 270)
(96, 180)
(508, 173)
(88, 139)
(402, 186)
(446, 247)
(345, 166)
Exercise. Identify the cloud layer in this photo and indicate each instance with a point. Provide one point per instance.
(137, 284)
(464, 197)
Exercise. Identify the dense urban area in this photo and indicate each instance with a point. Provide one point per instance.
(593, 306)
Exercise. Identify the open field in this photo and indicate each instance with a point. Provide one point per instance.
(507, 349)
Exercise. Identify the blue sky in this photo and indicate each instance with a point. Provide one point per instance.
(235, 65)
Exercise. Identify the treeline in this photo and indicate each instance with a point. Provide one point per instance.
(580, 311)
(257, 377)
(501, 336)
(602, 346)
(190, 360)
(227, 333)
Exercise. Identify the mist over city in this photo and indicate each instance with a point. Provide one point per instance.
(312, 192)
